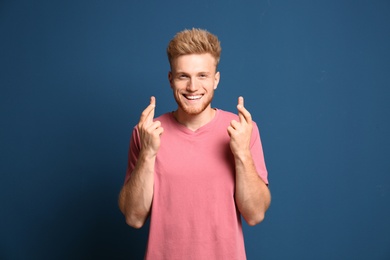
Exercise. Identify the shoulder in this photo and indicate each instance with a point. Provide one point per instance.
(164, 118)
(226, 116)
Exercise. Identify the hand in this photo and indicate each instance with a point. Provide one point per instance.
(240, 132)
(149, 130)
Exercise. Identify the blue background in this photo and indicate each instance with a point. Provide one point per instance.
(75, 75)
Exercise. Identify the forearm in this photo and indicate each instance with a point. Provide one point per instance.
(251, 194)
(136, 196)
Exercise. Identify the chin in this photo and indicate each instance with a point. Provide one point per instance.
(193, 110)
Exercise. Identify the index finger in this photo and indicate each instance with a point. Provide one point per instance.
(153, 104)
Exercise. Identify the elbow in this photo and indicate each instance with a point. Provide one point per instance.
(136, 219)
(254, 216)
(135, 222)
(257, 219)
(132, 218)
(258, 216)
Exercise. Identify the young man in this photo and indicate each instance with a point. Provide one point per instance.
(196, 170)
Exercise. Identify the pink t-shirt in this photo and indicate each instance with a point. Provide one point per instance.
(194, 215)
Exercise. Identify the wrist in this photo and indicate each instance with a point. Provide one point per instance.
(147, 154)
(243, 156)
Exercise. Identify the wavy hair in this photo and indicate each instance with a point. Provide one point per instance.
(194, 41)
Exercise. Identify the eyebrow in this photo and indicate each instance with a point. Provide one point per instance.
(200, 72)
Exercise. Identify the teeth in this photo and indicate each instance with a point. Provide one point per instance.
(194, 97)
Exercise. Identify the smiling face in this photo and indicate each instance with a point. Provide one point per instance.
(193, 80)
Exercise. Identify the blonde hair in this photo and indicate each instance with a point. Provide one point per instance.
(195, 41)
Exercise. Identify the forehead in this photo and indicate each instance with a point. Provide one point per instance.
(194, 63)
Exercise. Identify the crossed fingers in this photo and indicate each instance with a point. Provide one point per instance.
(148, 114)
(240, 131)
(243, 114)
(244, 117)
(150, 131)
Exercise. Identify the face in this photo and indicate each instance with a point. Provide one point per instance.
(193, 80)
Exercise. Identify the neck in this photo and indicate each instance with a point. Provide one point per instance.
(194, 122)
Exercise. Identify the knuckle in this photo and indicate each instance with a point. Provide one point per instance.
(144, 113)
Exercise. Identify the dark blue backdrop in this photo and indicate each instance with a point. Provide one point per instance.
(75, 75)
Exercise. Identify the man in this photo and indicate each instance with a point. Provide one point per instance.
(196, 170)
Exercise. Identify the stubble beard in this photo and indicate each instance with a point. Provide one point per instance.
(193, 111)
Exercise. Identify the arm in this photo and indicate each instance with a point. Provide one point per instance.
(135, 198)
(251, 193)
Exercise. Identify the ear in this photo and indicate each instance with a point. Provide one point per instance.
(170, 78)
(216, 79)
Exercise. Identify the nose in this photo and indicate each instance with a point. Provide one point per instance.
(192, 85)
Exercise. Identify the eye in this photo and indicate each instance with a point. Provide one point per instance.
(183, 76)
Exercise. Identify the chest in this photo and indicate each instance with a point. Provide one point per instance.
(196, 163)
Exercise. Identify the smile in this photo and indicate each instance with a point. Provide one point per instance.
(193, 97)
